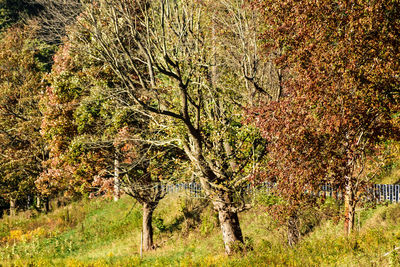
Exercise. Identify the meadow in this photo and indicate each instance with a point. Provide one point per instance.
(102, 232)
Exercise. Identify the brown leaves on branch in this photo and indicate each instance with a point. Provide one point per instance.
(343, 94)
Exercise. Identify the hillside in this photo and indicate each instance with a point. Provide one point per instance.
(105, 233)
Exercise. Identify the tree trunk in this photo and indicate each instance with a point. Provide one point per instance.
(38, 204)
(147, 227)
(228, 219)
(28, 202)
(13, 202)
(293, 233)
(46, 204)
(230, 227)
(117, 182)
(349, 207)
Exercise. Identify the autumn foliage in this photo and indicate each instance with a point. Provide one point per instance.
(342, 95)
(22, 150)
(127, 96)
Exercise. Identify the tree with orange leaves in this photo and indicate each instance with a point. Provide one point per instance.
(342, 99)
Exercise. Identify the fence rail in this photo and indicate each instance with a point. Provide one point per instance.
(378, 192)
(387, 192)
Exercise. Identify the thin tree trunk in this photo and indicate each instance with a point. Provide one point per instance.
(349, 207)
(117, 182)
(147, 227)
(293, 233)
(28, 202)
(38, 204)
(13, 202)
(46, 204)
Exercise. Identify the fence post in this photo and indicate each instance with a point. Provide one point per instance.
(391, 193)
(384, 191)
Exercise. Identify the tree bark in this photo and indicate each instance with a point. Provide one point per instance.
(147, 227)
(230, 227)
(228, 218)
(293, 233)
(350, 207)
(38, 203)
(117, 182)
(13, 202)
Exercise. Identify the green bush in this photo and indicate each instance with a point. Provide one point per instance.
(159, 224)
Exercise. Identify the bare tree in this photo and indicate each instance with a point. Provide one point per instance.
(236, 25)
(165, 53)
(55, 17)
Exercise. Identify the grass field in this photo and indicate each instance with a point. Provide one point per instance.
(106, 233)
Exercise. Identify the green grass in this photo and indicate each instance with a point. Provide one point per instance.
(106, 233)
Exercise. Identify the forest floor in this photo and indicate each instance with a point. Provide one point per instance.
(102, 232)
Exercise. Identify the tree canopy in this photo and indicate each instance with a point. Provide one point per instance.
(23, 62)
(342, 99)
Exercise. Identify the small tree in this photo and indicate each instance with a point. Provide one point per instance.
(144, 169)
(343, 94)
(94, 141)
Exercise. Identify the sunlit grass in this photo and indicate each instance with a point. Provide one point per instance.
(106, 233)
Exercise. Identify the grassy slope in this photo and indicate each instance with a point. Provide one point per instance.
(102, 232)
